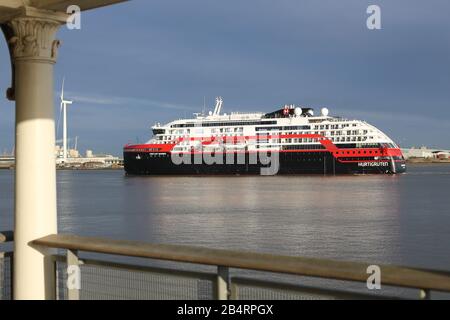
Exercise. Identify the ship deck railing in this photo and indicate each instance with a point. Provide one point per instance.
(118, 269)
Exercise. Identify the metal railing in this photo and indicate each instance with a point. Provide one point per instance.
(109, 280)
(6, 266)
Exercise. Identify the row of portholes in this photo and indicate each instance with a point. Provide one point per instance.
(356, 152)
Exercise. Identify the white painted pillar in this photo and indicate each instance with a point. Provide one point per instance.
(34, 54)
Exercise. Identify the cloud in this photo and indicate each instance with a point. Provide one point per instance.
(128, 101)
(258, 54)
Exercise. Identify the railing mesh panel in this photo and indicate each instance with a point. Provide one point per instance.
(100, 282)
(255, 289)
(5, 278)
(248, 292)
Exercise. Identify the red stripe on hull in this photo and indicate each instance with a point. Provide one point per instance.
(327, 143)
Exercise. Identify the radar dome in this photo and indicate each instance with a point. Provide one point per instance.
(298, 111)
(210, 113)
(311, 112)
(324, 112)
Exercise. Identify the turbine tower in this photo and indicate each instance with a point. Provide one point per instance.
(64, 104)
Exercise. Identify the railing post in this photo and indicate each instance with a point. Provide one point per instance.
(222, 283)
(55, 277)
(73, 275)
(2, 282)
(11, 274)
(234, 291)
(424, 294)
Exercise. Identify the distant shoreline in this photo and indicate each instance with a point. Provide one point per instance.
(427, 161)
(89, 169)
(408, 161)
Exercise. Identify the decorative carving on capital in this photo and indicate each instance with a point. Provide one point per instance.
(55, 47)
(34, 39)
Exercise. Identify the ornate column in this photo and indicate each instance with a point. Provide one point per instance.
(33, 52)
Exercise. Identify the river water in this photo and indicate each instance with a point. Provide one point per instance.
(401, 219)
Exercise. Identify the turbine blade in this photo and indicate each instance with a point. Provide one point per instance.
(62, 89)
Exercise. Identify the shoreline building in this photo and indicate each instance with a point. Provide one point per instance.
(90, 160)
(425, 153)
(70, 157)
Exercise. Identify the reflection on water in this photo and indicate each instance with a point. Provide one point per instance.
(311, 216)
(400, 219)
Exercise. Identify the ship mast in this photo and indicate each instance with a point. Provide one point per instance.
(219, 102)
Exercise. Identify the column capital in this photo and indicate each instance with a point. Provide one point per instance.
(31, 36)
(33, 33)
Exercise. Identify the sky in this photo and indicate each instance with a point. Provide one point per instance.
(141, 62)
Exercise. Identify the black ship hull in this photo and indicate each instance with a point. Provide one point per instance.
(144, 163)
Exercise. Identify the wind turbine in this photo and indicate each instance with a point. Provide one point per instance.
(64, 104)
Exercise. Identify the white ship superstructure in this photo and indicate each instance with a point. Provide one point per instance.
(292, 131)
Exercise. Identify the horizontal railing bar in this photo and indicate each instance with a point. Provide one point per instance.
(312, 267)
(6, 236)
(236, 282)
(131, 267)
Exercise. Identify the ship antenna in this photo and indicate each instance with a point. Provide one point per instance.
(216, 107)
(220, 105)
(219, 102)
(204, 105)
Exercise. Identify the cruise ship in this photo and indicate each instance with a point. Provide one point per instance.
(289, 140)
